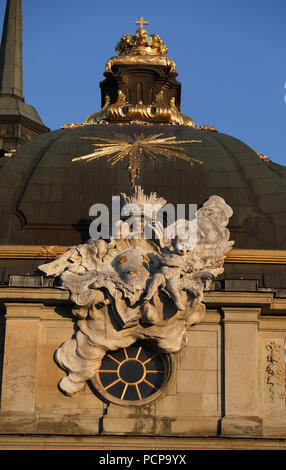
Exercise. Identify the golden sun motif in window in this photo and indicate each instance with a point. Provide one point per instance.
(133, 374)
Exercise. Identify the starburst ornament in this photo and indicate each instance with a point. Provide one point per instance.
(135, 147)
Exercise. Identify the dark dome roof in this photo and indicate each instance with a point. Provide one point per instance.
(45, 197)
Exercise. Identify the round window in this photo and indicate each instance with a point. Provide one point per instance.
(133, 375)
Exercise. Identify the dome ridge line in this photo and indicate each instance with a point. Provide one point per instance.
(16, 210)
(250, 194)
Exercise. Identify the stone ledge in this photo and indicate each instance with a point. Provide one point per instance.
(274, 427)
(41, 423)
(49, 294)
(43, 442)
(24, 423)
(76, 424)
(162, 426)
(237, 426)
(213, 299)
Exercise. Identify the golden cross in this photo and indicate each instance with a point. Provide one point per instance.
(142, 22)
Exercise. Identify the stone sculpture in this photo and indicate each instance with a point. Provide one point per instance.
(134, 288)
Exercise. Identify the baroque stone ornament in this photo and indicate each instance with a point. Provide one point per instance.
(134, 288)
(275, 369)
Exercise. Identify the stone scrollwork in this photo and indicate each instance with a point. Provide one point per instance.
(275, 369)
(157, 111)
(135, 288)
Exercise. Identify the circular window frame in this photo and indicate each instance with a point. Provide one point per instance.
(169, 364)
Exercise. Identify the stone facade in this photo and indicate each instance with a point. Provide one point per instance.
(228, 381)
(221, 327)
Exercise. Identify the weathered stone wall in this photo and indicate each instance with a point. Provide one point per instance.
(228, 381)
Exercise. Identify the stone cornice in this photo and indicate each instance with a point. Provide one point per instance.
(266, 301)
(236, 255)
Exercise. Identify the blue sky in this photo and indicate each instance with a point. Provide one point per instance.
(230, 57)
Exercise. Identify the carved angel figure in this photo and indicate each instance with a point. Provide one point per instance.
(134, 288)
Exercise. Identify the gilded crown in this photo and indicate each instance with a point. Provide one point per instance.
(141, 44)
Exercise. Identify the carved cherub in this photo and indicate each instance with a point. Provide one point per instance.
(169, 276)
(197, 255)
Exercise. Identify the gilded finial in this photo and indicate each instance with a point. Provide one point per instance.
(142, 43)
(142, 22)
(146, 103)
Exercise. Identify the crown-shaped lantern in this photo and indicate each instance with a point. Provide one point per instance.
(141, 49)
(142, 43)
(140, 84)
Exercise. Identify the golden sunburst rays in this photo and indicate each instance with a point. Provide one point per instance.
(135, 147)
